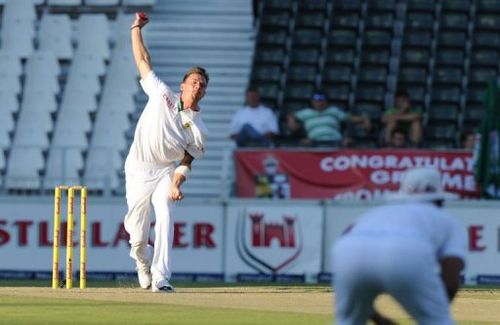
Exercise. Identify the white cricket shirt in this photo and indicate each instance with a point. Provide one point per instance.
(164, 131)
(432, 226)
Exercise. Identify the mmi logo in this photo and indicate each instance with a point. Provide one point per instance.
(264, 233)
(268, 243)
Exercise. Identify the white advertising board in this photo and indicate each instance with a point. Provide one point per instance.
(481, 220)
(273, 240)
(26, 233)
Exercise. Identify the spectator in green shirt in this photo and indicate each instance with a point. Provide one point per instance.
(323, 122)
(404, 116)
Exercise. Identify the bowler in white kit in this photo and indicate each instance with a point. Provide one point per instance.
(169, 129)
(410, 249)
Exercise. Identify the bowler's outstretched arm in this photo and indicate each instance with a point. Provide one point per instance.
(139, 50)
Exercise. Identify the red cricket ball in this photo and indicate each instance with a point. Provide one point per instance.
(143, 16)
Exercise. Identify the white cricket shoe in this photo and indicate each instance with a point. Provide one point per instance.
(144, 269)
(144, 275)
(162, 286)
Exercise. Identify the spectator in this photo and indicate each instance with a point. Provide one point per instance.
(399, 139)
(468, 140)
(292, 133)
(404, 116)
(254, 124)
(323, 123)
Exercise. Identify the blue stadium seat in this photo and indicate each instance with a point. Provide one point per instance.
(24, 166)
(55, 34)
(64, 3)
(102, 3)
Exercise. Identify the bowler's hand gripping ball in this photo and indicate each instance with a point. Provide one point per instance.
(143, 16)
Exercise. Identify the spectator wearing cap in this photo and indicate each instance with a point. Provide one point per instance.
(323, 122)
(254, 124)
(403, 116)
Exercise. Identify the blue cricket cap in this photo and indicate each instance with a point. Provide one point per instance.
(319, 96)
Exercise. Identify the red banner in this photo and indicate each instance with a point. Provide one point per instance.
(345, 174)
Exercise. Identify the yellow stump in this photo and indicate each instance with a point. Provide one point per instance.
(70, 230)
(83, 237)
(69, 239)
(55, 244)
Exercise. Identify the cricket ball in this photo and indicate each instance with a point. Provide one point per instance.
(143, 16)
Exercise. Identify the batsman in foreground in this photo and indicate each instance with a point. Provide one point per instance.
(411, 250)
(169, 129)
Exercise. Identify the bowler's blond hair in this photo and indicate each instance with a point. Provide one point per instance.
(198, 70)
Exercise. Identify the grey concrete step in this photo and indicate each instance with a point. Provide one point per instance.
(168, 4)
(207, 54)
(216, 20)
(225, 144)
(186, 44)
(217, 116)
(201, 60)
(225, 110)
(205, 28)
(206, 163)
(200, 10)
(180, 33)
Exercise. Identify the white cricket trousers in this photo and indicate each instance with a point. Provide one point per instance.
(406, 269)
(146, 187)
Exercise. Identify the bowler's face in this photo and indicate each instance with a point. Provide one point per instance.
(194, 87)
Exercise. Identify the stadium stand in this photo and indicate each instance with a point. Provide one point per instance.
(70, 97)
(362, 51)
(70, 91)
(54, 34)
(218, 36)
(52, 84)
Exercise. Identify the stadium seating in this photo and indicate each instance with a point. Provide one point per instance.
(65, 3)
(67, 60)
(363, 51)
(51, 80)
(102, 3)
(55, 34)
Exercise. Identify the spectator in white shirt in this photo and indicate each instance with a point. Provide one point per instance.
(253, 124)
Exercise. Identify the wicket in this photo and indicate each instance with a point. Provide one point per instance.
(69, 235)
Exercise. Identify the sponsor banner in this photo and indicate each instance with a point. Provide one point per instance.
(271, 240)
(280, 278)
(345, 174)
(198, 239)
(480, 220)
(26, 236)
(109, 276)
(488, 279)
(325, 277)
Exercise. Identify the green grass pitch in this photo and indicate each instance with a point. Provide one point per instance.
(33, 302)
